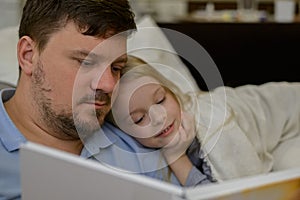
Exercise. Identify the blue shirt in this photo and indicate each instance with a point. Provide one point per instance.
(106, 148)
(114, 148)
(10, 141)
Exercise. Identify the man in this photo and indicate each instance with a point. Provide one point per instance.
(70, 54)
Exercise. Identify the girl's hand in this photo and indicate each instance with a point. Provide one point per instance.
(182, 140)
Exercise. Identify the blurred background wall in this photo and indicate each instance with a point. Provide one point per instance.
(10, 12)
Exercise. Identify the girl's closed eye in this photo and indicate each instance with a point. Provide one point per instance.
(137, 119)
(160, 96)
(161, 100)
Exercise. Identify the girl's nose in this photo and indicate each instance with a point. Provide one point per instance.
(157, 114)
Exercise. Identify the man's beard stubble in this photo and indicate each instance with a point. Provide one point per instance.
(66, 123)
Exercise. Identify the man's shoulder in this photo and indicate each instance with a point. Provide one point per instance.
(122, 139)
(10, 136)
(111, 130)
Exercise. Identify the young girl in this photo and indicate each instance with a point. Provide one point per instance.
(243, 131)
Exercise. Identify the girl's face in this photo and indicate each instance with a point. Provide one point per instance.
(153, 115)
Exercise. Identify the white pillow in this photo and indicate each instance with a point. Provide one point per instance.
(9, 70)
(151, 44)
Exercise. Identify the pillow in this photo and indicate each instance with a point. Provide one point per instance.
(9, 70)
(151, 44)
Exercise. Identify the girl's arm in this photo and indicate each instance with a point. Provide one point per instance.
(175, 154)
(187, 174)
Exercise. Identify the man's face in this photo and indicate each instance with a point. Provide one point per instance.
(73, 78)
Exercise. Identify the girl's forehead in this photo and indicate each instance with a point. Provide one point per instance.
(144, 80)
(127, 88)
(133, 85)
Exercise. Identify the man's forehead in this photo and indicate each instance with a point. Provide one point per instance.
(96, 55)
(73, 38)
(113, 47)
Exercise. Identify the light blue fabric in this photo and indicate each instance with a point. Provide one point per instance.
(10, 140)
(106, 148)
(114, 148)
(126, 154)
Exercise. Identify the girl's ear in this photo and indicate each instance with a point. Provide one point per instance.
(25, 52)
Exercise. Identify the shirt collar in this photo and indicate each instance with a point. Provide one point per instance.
(10, 136)
(101, 139)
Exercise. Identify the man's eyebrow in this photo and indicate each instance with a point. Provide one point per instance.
(122, 59)
(84, 53)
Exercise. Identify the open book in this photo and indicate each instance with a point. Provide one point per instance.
(49, 174)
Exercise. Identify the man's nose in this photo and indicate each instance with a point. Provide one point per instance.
(106, 82)
(157, 114)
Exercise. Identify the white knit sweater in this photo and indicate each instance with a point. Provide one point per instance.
(249, 130)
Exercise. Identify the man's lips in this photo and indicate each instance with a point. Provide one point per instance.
(98, 104)
(169, 129)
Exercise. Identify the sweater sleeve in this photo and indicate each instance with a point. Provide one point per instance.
(200, 173)
(196, 177)
(241, 128)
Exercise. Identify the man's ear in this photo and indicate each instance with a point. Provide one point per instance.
(25, 52)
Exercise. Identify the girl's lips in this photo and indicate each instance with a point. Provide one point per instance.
(166, 131)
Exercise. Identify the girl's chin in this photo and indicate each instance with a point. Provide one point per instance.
(170, 141)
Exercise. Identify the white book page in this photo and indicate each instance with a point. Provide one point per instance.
(50, 174)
